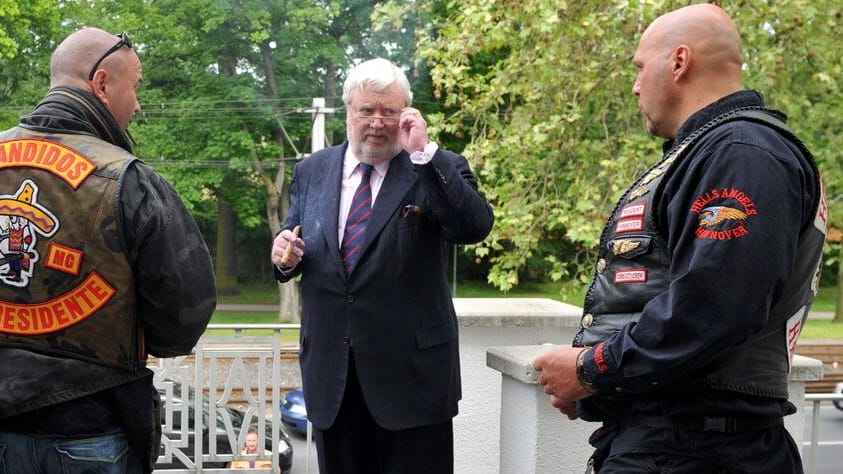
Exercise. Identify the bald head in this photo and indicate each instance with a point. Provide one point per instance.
(709, 32)
(76, 55)
(115, 79)
(687, 59)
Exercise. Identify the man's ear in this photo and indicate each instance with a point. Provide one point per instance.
(681, 61)
(98, 85)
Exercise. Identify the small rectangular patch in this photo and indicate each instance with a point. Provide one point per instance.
(629, 225)
(64, 259)
(638, 275)
(633, 210)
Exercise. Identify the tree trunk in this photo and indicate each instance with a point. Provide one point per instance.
(226, 267)
(277, 203)
(838, 310)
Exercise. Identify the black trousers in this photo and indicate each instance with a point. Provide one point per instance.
(355, 444)
(633, 448)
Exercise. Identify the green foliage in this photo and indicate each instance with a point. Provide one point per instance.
(551, 137)
(537, 94)
(543, 94)
(26, 43)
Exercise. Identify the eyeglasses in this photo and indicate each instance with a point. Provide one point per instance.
(124, 40)
(369, 119)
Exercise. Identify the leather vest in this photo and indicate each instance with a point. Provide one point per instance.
(633, 267)
(66, 284)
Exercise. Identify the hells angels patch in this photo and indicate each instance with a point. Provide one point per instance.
(722, 214)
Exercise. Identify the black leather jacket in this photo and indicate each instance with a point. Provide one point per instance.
(707, 270)
(170, 285)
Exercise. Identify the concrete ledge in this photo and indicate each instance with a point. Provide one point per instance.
(527, 412)
(516, 312)
(805, 369)
(517, 362)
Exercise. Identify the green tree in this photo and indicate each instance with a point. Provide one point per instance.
(543, 92)
(223, 97)
(27, 39)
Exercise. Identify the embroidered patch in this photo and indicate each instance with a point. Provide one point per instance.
(22, 219)
(821, 219)
(793, 329)
(63, 259)
(637, 275)
(599, 358)
(624, 246)
(633, 210)
(722, 213)
(629, 225)
(58, 159)
(59, 313)
(638, 192)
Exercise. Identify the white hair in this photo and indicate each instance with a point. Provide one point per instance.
(378, 74)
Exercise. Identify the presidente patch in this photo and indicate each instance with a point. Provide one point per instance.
(722, 213)
(59, 313)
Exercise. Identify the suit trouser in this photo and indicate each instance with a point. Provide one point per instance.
(356, 444)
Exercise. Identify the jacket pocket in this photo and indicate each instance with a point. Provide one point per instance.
(433, 336)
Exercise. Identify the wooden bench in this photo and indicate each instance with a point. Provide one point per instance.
(829, 352)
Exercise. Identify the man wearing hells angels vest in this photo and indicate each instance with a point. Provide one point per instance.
(101, 264)
(705, 273)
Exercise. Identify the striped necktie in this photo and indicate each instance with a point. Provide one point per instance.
(358, 216)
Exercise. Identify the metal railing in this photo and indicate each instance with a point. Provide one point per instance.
(242, 365)
(236, 370)
(815, 399)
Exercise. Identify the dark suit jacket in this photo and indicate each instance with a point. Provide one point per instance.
(395, 307)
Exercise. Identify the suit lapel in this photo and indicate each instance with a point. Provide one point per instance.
(329, 189)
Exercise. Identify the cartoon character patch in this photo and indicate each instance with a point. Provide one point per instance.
(22, 220)
(722, 214)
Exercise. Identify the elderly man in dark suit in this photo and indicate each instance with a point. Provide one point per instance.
(379, 343)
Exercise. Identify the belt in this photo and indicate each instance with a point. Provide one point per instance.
(712, 424)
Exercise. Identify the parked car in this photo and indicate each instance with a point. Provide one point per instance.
(294, 412)
(223, 446)
(838, 390)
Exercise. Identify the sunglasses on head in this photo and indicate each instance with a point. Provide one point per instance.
(124, 40)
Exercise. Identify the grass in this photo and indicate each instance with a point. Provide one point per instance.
(821, 329)
(268, 294)
(250, 317)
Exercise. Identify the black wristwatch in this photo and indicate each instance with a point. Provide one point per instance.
(582, 376)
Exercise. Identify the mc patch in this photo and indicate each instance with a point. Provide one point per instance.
(722, 213)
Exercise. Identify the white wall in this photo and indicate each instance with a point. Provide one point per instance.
(486, 323)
